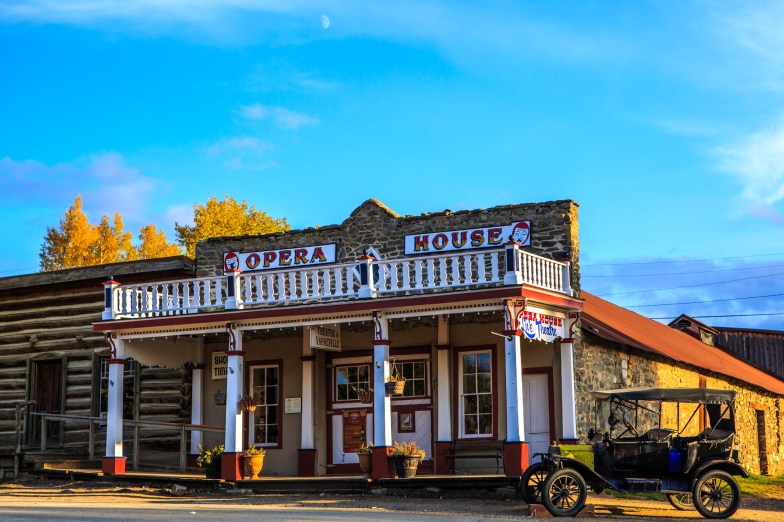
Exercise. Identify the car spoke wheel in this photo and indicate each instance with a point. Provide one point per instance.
(564, 493)
(531, 483)
(682, 501)
(716, 495)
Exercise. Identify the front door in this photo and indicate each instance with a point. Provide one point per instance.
(46, 390)
(536, 412)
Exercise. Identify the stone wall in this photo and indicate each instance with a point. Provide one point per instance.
(602, 364)
(554, 231)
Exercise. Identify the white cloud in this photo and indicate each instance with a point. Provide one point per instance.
(248, 143)
(281, 116)
(757, 163)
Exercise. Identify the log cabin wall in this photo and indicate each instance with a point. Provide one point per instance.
(762, 348)
(46, 335)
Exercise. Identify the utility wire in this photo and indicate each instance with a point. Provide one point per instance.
(704, 302)
(582, 276)
(680, 261)
(718, 316)
(692, 286)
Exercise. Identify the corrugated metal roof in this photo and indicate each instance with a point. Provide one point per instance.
(624, 326)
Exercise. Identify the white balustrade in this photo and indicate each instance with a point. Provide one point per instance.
(407, 275)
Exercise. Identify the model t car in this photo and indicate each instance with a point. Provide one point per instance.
(694, 467)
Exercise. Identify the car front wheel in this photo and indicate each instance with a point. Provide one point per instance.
(716, 495)
(564, 493)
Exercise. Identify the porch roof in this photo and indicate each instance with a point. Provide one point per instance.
(621, 325)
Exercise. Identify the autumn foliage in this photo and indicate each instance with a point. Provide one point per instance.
(77, 242)
(226, 218)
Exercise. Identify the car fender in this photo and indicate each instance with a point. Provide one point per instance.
(587, 473)
(720, 464)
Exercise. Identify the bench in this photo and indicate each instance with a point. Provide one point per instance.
(477, 449)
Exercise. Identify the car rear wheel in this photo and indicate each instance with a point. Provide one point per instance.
(564, 493)
(531, 483)
(682, 501)
(716, 494)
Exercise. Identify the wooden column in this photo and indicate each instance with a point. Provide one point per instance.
(382, 411)
(114, 461)
(443, 400)
(307, 450)
(231, 461)
(197, 406)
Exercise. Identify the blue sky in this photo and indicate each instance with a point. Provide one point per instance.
(664, 122)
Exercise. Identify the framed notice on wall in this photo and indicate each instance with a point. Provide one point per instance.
(353, 430)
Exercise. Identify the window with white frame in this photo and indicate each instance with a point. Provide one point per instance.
(476, 394)
(349, 380)
(265, 387)
(415, 374)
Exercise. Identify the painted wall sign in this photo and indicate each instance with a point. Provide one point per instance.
(220, 365)
(325, 338)
(542, 325)
(353, 430)
(435, 242)
(285, 257)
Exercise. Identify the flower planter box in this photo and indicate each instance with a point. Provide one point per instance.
(406, 465)
(365, 462)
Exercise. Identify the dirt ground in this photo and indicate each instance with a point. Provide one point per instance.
(31, 493)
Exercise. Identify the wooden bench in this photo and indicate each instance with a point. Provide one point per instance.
(477, 449)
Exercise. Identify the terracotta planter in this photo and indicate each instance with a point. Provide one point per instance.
(394, 387)
(253, 465)
(406, 466)
(365, 462)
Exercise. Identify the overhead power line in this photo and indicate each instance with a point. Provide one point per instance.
(692, 286)
(704, 302)
(719, 316)
(680, 261)
(583, 276)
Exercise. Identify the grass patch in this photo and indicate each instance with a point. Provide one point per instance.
(762, 486)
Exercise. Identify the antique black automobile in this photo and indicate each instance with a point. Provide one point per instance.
(692, 467)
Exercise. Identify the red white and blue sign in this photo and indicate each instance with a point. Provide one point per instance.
(299, 257)
(468, 239)
(541, 325)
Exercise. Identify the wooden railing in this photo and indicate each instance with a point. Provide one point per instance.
(135, 426)
(341, 281)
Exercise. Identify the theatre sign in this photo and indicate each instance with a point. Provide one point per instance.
(538, 324)
(286, 257)
(519, 231)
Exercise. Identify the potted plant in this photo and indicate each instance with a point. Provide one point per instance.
(365, 455)
(365, 395)
(407, 456)
(210, 460)
(254, 461)
(248, 403)
(395, 384)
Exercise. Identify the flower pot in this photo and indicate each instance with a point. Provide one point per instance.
(365, 462)
(213, 469)
(253, 465)
(394, 387)
(406, 465)
(365, 396)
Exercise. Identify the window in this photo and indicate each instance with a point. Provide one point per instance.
(265, 388)
(129, 387)
(476, 394)
(415, 374)
(349, 380)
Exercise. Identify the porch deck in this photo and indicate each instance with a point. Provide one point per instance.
(353, 484)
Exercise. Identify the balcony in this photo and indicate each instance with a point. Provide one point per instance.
(363, 279)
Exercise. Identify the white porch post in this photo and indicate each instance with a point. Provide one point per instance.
(197, 406)
(114, 462)
(514, 388)
(307, 450)
(382, 411)
(230, 462)
(568, 399)
(444, 407)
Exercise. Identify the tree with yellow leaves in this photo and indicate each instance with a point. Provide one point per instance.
(226, 218)
(154, 244)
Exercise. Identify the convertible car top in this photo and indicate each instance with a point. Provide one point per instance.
(701, 395)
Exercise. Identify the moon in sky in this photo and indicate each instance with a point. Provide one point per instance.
(324, 21)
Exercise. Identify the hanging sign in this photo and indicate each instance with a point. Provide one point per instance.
(542, 325)
(325, 338)
(220, 365)
(468, 239)
(286, 257)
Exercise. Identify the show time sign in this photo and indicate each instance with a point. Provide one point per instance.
(325, 338)
(220, 365)
(520, 231)
(542, 325)
(270, 259)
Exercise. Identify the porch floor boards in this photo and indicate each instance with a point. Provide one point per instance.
(357, 484)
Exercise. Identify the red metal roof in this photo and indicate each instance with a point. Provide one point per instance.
(624, 326)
